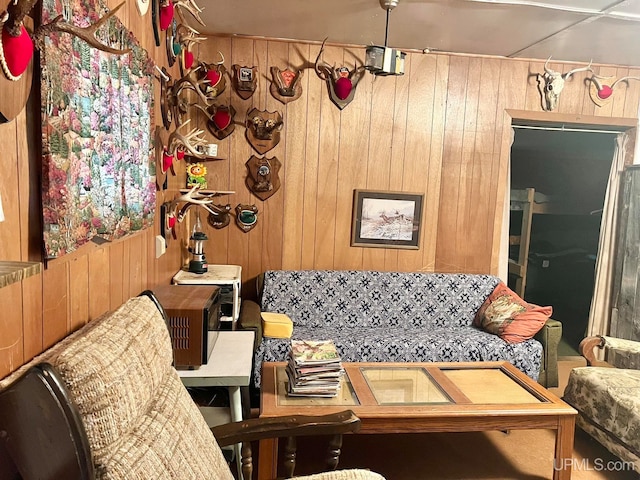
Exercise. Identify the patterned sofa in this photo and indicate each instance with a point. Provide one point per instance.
(393, 317)
(608, 399)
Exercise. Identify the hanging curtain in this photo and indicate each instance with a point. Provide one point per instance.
(601, 303)
(503, 258)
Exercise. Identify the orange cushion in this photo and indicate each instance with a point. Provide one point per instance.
(507, 315)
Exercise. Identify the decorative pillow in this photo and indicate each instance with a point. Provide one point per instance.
(507, 315)
(276, 325)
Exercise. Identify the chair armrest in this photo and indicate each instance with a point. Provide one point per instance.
(586, 348)
(620, 353)
(549, 336)
(287, 426)
(250, 319)
(291, 427)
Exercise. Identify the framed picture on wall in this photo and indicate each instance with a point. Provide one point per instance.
(386, 219)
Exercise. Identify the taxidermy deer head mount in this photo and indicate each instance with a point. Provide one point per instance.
(341, 81)
(552, 84)
(602, 89)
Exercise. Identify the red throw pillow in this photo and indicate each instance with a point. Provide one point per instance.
(507, 315)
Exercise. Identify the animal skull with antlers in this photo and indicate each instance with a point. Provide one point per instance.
(552, 84)
(341, 81)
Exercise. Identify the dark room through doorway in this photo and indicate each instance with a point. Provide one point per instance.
(568, 170)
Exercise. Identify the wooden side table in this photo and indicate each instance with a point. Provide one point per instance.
(229, 366)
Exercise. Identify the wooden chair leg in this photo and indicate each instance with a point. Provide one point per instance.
(247, 461)
(290, 457)
(333, 454)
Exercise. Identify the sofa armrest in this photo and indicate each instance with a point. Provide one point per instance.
(250, 319)
(549, 336)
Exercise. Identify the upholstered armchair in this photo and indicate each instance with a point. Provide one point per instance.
(106, 403)
(606, 394)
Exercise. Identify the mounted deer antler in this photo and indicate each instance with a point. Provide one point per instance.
(16, 50)
(215, 73)
(87, 33)
(195, 84)
(173, 216)
(341, 81)
(189, 142)
(195, 198)
(186, 38)
(173, 101)
(554, 83)
(602, 92)
(190, 6)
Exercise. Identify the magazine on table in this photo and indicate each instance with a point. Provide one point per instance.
(323, 377)
(314, 369)
(311, 352)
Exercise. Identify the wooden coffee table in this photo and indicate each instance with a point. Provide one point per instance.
(427, 397)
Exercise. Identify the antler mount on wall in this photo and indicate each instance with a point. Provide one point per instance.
(551, 84)
(17, 47)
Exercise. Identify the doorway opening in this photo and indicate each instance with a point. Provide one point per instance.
(558, 183)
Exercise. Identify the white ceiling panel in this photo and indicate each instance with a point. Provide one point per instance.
(520, 28)
(604, 40)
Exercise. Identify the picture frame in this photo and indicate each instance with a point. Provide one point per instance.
(386, 219)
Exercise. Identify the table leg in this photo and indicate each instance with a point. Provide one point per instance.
(563, 458)
(235, 405)
(268, 458)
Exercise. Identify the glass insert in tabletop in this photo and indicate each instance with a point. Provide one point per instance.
(403, 385)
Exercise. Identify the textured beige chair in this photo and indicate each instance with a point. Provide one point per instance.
(608, 399)
(106, 403)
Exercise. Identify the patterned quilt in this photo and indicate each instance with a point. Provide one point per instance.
(389, 317)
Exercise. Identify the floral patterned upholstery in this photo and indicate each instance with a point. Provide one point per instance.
(608, 399)
(389, 316)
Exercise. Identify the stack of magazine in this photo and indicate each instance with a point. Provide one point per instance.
(314, 369)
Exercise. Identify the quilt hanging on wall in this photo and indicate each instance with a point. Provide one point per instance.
(97, 111)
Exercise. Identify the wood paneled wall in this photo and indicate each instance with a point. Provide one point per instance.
(442, 129)
(78, 287)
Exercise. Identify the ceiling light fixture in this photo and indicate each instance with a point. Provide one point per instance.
(382, 60)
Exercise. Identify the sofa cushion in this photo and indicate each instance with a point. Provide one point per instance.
(340, 298)
(609, 398)
(507, 315)
(370, 344)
